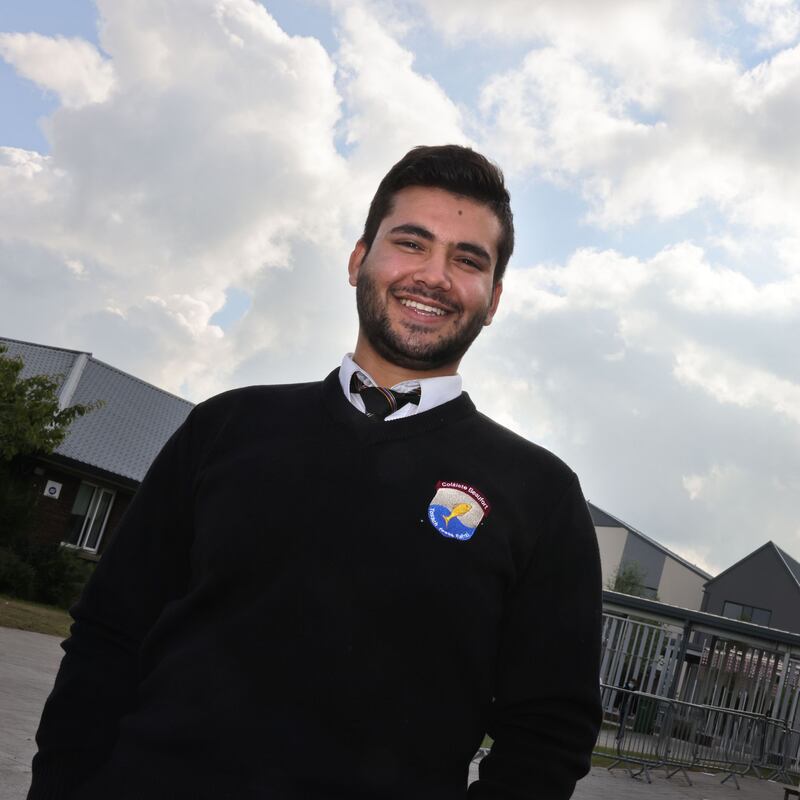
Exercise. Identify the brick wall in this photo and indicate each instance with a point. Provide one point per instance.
(53, 515)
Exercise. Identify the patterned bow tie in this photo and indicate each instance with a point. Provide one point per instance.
(380, 402)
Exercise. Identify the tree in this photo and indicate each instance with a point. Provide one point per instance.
(31, 424)
(31, 421)
(628, 578)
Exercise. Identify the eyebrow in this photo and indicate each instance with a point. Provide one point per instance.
(424, 233)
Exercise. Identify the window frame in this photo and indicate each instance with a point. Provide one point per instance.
(89, 518)
(746, 609)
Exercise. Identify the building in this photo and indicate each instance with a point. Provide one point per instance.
(86, 484)
(667, 576)
(763, 588)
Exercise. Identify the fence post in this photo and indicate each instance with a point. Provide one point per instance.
(673, 688)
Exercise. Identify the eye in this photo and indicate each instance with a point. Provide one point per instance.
(469, 262)
(411, 245)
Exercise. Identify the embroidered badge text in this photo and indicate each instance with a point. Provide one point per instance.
(457, 509)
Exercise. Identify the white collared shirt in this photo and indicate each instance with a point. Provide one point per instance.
(433, 391)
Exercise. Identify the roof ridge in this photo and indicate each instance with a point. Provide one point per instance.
(45, 346)
(743, 558)
(783, 555)
(98, 361)
(141, 380)
(657, 544)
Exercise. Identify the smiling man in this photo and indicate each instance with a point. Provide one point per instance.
(425, 283)
(335, 589)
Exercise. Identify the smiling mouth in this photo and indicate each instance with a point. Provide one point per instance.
(423, 308)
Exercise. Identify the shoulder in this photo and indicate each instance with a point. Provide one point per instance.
(253, 407)
(261, 398)
(279, 392)
(527, 470)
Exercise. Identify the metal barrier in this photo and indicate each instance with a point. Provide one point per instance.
(703, 691)
(781, 749)
(655, 732)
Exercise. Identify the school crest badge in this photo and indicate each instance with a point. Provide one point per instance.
(457, 509)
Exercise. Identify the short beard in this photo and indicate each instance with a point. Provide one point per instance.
(406, 352)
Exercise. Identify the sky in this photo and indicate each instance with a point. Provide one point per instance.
(181, 184)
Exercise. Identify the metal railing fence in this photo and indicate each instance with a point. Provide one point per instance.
(655, 732)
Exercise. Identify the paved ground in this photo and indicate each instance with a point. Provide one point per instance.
(617, 785)
(28, 664)
(600, 784)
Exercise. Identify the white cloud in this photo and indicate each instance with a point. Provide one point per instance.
(72, 68)
(648, 361)
(390, 106)
(212, 160)
(731, 382)
(649, 372)
(632, 105)
(779, 21)
(75, 267)
(697, 555)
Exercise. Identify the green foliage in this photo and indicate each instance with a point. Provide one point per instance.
(43, 571)
(31, 424)
(30, 419)
(628, 579)
(17, 577)
(17, 503)
(60, 574)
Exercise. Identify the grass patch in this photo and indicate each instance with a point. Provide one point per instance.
(36, 617)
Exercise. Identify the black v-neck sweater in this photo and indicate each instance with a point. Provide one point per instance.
(279, 616)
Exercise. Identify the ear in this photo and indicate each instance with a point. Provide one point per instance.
(356, 260)
(497, 290)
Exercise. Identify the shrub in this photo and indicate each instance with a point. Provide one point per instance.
(17, 577)
(60, 574)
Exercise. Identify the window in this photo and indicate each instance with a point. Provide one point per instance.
(89, 516)
(760, 616)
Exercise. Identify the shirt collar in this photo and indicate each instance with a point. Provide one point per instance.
(433, 391)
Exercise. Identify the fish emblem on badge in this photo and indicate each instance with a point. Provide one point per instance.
(457, 509)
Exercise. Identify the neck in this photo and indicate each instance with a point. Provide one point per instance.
(385, 373)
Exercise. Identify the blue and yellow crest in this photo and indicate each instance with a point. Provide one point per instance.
(457, 509)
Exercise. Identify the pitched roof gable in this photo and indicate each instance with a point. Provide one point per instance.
(125, 434)
(602, 519)
(789, 564)
(792, 565)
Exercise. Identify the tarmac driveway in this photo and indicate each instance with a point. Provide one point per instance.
(28, 665)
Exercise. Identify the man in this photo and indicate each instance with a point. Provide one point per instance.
(332, 590)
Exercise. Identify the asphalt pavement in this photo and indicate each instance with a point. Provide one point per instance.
(28, 665)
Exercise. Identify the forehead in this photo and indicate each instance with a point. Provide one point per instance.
(451, 218)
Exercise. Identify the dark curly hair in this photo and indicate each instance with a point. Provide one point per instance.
(456, 169)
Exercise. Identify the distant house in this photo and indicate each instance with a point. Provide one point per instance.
(763, 588)
(669, 577)
(87, 483)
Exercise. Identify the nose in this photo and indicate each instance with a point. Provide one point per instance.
(434, 271)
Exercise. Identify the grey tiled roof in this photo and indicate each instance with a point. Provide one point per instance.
(40, 360)
(126, 433)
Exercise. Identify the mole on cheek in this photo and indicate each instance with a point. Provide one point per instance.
(459, 212)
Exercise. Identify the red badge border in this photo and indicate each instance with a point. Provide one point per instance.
(469, 490)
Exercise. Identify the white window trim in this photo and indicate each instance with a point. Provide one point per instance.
(84, 532)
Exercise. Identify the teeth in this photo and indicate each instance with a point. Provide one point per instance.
(422, 307)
